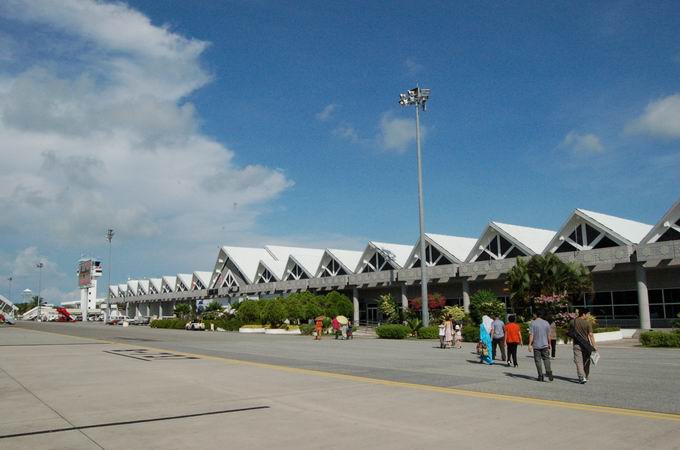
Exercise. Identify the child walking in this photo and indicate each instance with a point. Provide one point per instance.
(459, 337)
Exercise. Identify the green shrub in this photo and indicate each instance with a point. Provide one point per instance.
(176, 324)
(660, 339)
(485, 302)
(676, 322)
(250, 311)
(307, 329)
(232, 324)
(431, 332)
(274, 312)
(392, 331)
(470, 333)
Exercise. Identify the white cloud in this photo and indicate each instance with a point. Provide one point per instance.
(347, 131)
(24, 264)
(396, 133)
(327, 113)
(582, 143)
(104, 138)
(661, 118)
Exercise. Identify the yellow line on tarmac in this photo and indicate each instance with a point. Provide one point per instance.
(421, 387)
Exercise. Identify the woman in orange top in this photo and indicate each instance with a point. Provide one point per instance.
(318, 328)
(513, 338)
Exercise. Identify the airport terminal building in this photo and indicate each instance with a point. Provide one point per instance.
(635, 269)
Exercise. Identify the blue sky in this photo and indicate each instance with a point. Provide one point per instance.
(284, 124)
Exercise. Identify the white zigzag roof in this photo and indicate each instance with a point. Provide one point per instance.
(631, 231)
(670, 219)
(457, 246)
(156, 283)
(144, 286)
(202, 276)
(170, 281)
(395, 253)
(185, 279)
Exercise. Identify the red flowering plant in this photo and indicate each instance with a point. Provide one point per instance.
(435, 301)
(555, 307)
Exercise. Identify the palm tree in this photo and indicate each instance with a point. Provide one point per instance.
(182, 311)
(547, 275)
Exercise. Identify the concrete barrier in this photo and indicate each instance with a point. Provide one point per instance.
(280, 331)
(251, 330)
(609, 336)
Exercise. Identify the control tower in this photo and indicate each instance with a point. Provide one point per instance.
(89, 269)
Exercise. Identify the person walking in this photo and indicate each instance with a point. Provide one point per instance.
(442, 335)
(484, 346)
(349, 330)
(553, 338)
(318, 328)
(448, 333)
(539, 345)
(343, 330)
(513, 339)
(584, 345)
(336, 327)
(498, 335)
(458, 337)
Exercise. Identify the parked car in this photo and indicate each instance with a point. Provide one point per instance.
(195, 326)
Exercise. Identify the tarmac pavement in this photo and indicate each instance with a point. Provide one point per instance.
(148, 388)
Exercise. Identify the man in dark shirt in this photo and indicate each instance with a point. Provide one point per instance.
(584, 345)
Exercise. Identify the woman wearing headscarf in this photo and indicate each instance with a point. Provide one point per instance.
(486, 355)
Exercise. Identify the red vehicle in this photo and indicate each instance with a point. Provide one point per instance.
(64, 315)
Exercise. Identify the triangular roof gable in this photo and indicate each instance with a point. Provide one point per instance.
(629, 230)
(143, 287)
(348, 259)
(132, 286)
(203, 277)
(122, 290)
(246, 260)
(113, 290)
(169, 281)
(528, 240)
(454, 248)
(156, 284)
(670, 220)
(308, 261)
(396, 254)
(585, 230)
(183, 279)
(276, 268)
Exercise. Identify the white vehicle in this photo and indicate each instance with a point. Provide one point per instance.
(195, 326)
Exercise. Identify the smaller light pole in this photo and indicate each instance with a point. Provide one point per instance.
(10, 279)
(419, 97)
(109, 237)
(40, 266)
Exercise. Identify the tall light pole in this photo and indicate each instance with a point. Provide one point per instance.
(40, 266)
(10, 279)
(419, 97)
(109, 237)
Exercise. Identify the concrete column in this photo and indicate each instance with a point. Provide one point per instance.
(160, 310)
(404, 298)
(355, 301)
(127, 309)
(643, 296)
(466, 295)
(138, 311)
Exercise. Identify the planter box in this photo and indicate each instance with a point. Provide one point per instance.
(251, 330)
(628, 333)
(279, 331)
(609, 336)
